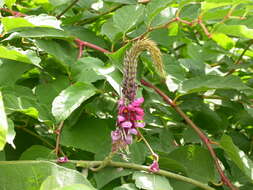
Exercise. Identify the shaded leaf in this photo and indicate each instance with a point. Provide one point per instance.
(237, 156)
(97, 140)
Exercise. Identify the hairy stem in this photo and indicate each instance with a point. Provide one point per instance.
(201, 135)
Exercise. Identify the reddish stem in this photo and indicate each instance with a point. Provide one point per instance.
(13, 13)
(201, 135)
(81, 44)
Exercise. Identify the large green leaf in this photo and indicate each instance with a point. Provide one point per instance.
(43, 20)
(128, 16)
(70, 99)
(61, 50)
(237, 156)
(39, 32)
(204, 83)
(235, 30)
(151, 181)
(3, 124)
(12, 54)
(29, 175)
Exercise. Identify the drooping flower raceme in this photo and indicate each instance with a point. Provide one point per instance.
(130, 114)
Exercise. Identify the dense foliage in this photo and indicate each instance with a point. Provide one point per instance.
(61, 73)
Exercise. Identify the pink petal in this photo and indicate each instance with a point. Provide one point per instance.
(137, 102)
(63, 159)
(154, 167)
(139, 117)
(121, 118)
(139, 124)
(126, 124)
(116, 135)
(132, 131)
(139, 111)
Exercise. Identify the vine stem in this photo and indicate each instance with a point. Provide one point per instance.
(67, 8)
(88, 164)
(201, 135)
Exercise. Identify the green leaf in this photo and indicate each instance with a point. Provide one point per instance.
(6, 53)
(235, 30)
(128, 16)
(39, 32)
(18, 175)
(37, 152)
(11, 71)
(106, 175)
(98, 137)
(46, 92)
(3, 124)
(11, 23)
(10, 3)
(154, 12)
(60, 49)
(87, 70)
(203, 83)
(126, 186)
(237, 156)
(70, 99)
(110, 31)
(197, 162)
(223, 40)
(151, 181)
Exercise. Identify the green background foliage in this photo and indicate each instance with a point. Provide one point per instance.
(207, 54)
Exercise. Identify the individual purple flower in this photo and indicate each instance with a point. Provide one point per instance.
(126, 124)
(116, 135)
(154, 167)
(63, 159)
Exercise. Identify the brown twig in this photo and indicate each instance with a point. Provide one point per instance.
(58, 139)
(67, 8)
(201, 135)
(81, 44)
(203, 26)
(13, 13)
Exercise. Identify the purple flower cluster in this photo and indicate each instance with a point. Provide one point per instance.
(130, 117)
